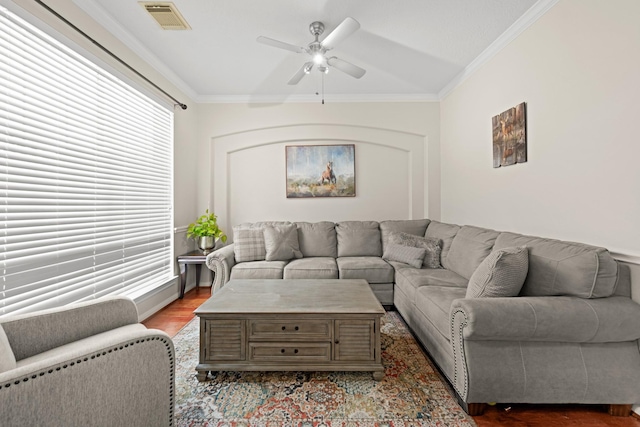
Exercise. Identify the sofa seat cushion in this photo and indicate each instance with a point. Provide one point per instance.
(372, 269)
(558, 268)
(258, 270)
(469, 248)
(311, 268)
(317, 239)
(434, 302)
(410, 279)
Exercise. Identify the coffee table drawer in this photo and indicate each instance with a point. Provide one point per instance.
(278, 329)
(301, 351)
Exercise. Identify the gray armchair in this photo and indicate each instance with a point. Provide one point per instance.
(88, 364)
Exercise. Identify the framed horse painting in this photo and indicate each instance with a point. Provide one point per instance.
(321, 171)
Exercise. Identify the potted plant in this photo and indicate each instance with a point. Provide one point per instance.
(206, 232)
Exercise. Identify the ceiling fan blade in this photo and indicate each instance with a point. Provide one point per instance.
(279, 44)
(346, 67)
(304, 70)
(341, 32)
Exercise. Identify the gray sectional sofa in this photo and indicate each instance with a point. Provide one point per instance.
(570, 333)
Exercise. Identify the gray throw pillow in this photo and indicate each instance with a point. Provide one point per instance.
(248, 244)
(281, 242)
(406, 254)
(431, 245)
(501, 274)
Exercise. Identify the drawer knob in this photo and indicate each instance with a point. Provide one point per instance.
(284, 327)
(337, 341)
(295, 351)
(296, 328)
(282, 350)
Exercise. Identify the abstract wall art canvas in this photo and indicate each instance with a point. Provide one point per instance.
(321, 171)
(510, 136)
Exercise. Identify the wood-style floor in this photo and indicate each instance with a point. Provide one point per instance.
(177, 314)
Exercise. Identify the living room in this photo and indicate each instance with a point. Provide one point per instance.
(575, 65)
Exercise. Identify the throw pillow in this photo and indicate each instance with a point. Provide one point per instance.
(281, 243)
(406, 254)
(431, 245)
(501, 274)
(248, 244)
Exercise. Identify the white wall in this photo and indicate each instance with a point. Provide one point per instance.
(242, 159)
(578, 70)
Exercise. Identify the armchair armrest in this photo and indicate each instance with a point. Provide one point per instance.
(34, 333)
(552, 319)
(221, 262)
(124, 376)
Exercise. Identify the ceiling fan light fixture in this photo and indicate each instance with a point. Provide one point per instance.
(307, 68)
(318, 58)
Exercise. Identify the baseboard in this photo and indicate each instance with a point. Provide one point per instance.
(164, 298)
(636, 411)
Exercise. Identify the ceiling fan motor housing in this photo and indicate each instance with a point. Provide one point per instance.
(316, 28)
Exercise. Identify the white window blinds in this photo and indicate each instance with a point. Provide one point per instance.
(85, 178)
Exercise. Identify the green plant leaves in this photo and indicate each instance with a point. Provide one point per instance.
(206, 225)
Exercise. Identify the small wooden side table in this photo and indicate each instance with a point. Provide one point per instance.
(195, 258)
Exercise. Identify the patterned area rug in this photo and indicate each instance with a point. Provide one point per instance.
(412, 393)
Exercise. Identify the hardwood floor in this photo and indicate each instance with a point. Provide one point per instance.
(177, 314)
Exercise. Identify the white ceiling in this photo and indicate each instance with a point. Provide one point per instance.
(411, 49)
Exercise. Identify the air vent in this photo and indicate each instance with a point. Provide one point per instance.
(166, 15)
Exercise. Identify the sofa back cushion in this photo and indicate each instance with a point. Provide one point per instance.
(7, 358)
(410, 226)
(469, 248)
(317, 239)
(359, 238)
(564, 268)
(446, 233)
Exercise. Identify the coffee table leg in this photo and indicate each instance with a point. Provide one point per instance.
(378, 375)
(201, 376)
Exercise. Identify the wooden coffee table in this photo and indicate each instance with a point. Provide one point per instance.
(291, 325)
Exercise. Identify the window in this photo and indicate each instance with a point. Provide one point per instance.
(85, 178)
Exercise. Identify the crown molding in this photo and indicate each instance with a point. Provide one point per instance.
(525, 21)
(97, 12)
(283, 99)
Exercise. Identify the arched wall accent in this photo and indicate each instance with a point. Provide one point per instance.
(247, 175)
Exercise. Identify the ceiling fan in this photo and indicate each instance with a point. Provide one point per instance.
(318, 50)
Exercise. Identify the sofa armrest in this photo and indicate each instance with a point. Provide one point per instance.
(124, 376)
(221, 262)
(34, 333)
(551, 319)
